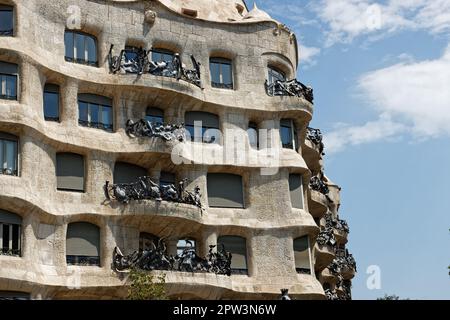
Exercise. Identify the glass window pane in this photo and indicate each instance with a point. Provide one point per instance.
(155, 119)
(68, 42)
(11, 86)
(91, 49)
(79, 47)
(51, 105)
(93, 114)
(11, 156)
(83, 112)
(253, 137)
(215, 72)
(286, 136)
(6, 20)
(226, 74)
(107, 117)
(301, 253)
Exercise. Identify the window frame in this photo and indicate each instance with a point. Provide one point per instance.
(84, 173)
(162, 52)
(311, 267)
(221, 62)
(74, 58)
(84, 260)
(96, 125)
(236, 271)
(10, 226)
(148, 115)
(253, 126)
(293, 132)
(204, 127)
(47, 90)
(9, 138)
(273, 73)
(9, 32)
(301, 187)
(224, 175)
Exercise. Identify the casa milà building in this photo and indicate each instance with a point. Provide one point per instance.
(167, 135)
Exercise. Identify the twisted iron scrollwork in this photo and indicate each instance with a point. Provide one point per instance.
(292, 88)
(285, 294)
(315, 136)
(317, 184)
(146, 189)
(144, 128)
(343, 261)
(331, 294)
(157, 258)
(326, 237)
(138, 62)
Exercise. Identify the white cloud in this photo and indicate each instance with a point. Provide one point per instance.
(411, 98)
(348, 19)
(307, 55)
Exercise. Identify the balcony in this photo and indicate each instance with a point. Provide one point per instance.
(136, 61)
(344, 264)
(315, 137)
(146, 189)
(325, 249)
(147, 129)
(157, 258)
(289, 88)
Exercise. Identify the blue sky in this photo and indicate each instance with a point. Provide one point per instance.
(381, 77)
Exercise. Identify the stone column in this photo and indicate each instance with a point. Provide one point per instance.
(208, 237)
(69, 101)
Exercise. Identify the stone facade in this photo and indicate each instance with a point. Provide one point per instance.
(268, 222)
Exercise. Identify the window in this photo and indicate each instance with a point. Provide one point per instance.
(288, 134)
(186, 244)
(253, 135)
(148, 241)
(128, 173)
(69, 172)
(302, 255)
(14, 295)
(6, 20)
(296, 190)
(8, 80)
(225, 190)
(237, 246)
(161, 55)
(202, 126)
(51, 102)
(8, 154)
(166, 179)
(83, 244)
(10, 233)
(221, 73)
(154, 115)
(95, 111)
(275, 74)
(80, 48)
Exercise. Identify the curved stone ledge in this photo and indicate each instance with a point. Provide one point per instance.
(341, 236)
(184, 218)
(317, 204)
(324, 256)
(14, 48)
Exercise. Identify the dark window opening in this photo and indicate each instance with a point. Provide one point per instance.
(237, 246)
(207, 130)
(8, 154)
(95, 112)
(6, 20)
(8, 80)
(51, 102)
(80, 48)
(221, 73)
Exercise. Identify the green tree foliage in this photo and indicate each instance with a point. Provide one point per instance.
(146, 286)
(389, 297)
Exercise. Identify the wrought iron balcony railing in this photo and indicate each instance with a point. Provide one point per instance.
(96, 125)
(10, 252)
(157, 258)
(144, 128)
(146, 189)
(141, 64)
(8, 171)
(331, 294)
(315, 136)
(82, 260)
(343, 261)
(317, 184)
(293, 88)
(326, 238)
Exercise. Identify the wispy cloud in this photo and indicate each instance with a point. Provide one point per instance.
(412, 98)
(307, 55)
(346, 20)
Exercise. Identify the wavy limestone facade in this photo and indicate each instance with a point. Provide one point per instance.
(58, 239)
